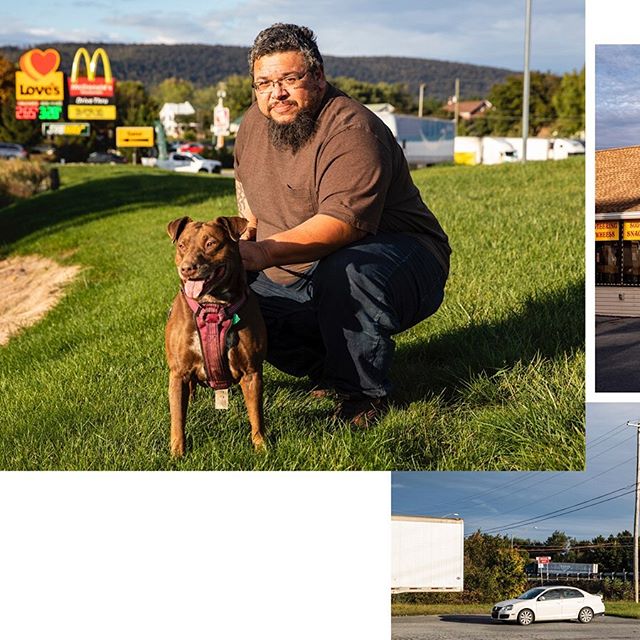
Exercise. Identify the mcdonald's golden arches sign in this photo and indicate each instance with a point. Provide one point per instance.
(91, 97)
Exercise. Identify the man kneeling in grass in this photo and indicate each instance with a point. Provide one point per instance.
(348, 253)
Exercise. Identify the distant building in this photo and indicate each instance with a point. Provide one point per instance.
(468, 109)
(168, 114)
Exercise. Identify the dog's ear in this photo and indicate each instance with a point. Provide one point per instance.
(233, 226)
(176, 227)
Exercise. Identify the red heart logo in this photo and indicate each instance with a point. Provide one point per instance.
(37, 63)
(45, 62)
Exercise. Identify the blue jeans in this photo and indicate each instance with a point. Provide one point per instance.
(336, 325)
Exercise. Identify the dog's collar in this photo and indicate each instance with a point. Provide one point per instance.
(213, 322)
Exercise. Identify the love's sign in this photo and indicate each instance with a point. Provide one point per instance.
(39, 78)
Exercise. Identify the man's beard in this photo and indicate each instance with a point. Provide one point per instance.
(292, 135)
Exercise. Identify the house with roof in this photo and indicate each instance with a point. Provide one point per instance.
(169, 113)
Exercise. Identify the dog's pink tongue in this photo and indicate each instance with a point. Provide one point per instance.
(193, 288)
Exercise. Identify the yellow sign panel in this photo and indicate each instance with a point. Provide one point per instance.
(49, 87)
(134, 136)
(91, 112)
(465, 157)
(607, 231)
(631, 230)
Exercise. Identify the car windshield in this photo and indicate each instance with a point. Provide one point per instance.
(531, 594)
(197, 156)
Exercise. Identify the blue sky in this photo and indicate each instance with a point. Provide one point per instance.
(462, 31)
(617, 95)
(493, 501)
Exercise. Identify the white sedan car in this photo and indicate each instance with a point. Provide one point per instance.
(550, 603)
(188, 162)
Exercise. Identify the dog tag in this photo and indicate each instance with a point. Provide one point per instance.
(222, 399)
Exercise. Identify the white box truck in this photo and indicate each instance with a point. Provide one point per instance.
(427, 554)
(486, 150)
(425, 141)
(537, 148)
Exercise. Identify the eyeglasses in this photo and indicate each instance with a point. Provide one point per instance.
(288, 82)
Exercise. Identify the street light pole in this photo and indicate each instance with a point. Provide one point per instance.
(525, 87)
(636, 518)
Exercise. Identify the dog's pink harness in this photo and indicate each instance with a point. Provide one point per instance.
(213, 322)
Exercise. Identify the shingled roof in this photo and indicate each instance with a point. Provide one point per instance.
(618, 180)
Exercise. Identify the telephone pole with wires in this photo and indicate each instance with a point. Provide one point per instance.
(637, 512)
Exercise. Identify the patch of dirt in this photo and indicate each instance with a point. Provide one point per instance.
(29, 287)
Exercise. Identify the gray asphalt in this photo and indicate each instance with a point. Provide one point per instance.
(617, 354)
(478, 627)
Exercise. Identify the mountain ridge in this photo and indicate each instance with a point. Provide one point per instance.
(205, 65)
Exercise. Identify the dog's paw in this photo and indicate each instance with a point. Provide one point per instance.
(259, 444)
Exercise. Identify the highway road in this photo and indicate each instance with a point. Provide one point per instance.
(481, 627)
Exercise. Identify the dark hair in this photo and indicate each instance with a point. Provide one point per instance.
(281, 37)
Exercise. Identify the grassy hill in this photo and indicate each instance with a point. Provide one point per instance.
(205, 65)
(495, 380)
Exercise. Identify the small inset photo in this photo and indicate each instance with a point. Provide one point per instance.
(478, 554)
(617, 219)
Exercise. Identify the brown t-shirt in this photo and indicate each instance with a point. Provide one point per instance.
(352, 169)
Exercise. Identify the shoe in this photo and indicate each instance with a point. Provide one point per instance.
(320, 393)
(361, 411)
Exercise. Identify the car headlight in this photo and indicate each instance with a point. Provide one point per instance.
(508, 607)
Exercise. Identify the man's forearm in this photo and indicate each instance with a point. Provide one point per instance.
(313, 239)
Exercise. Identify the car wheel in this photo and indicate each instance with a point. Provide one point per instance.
(585, 615)
(525, 617)
(217, 170)
(203, 171)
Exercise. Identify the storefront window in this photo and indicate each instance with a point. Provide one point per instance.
(608, 258)
(631, 262)
(607, 263)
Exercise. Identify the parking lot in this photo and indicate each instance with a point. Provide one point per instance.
(481, 627)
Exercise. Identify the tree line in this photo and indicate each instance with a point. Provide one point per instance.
(495, 566)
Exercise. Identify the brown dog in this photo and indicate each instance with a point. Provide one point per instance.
(213, 278)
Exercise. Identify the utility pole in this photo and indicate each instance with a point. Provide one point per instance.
(637, 512)
(421, 100)
(525, 88)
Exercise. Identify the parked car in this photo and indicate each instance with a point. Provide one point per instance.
(193, 147)
(105, 157)
(45, 152)
(188, 162)
(10, 150)
(550, 603)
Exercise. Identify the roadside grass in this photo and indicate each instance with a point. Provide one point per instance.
(493, 381)
(620, 609)
(623, 609)
(415, 609)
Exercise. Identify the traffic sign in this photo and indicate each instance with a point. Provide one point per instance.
(220, 121)
(134, 136)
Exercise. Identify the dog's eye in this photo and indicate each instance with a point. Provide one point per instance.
(181, 246)
(209, 244)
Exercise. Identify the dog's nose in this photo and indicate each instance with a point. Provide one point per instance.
(188, 269)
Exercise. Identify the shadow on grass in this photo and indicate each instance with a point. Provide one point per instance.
(98, 198)
(548, 326)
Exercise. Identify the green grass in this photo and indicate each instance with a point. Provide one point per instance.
(493, 381)
(415, 609)
(623, 609)
(620, 609)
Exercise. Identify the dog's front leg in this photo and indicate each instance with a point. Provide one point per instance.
(178, 402)
(251, 384)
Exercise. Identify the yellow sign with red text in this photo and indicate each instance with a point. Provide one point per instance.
(134, 136)
(39, 78)
(631, 230)
(607, 231)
